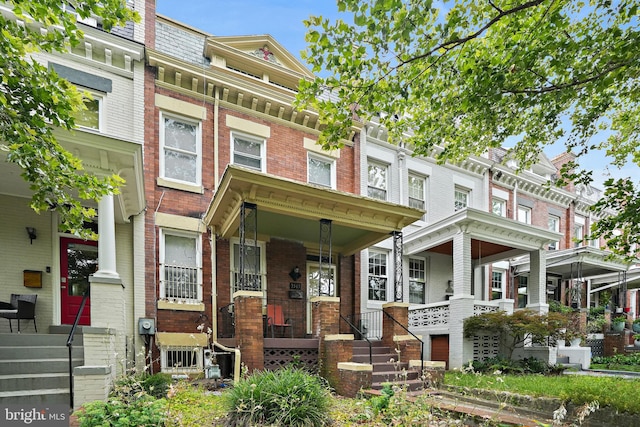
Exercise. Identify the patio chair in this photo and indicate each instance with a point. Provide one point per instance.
(21, 307)
(275, 318)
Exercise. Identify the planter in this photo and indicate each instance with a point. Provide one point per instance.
(575, 342)
(618, 309)
(636, 328)
(636, 343)
(617, 326)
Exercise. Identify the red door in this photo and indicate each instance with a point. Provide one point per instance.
(78, 260)
(440, 348)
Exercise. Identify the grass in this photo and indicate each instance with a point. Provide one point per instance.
(615, 367)
(616, 393)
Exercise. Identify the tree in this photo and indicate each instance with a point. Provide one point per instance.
(34, 100)
(487, 73)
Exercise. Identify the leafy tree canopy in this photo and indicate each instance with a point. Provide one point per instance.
(455, 78)
(34, 101)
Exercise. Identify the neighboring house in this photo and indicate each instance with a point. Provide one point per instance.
(246, 211)
(58, 267)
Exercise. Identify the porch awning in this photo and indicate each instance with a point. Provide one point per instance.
(493, 238)
(292, 210)
(580, 262)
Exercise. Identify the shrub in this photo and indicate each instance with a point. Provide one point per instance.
(288, 396)
(529, 365)
(116, 412)
(156, 385)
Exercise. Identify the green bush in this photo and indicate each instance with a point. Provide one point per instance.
(529, 365)
(288, 396)
(156, 385)
(116, 412)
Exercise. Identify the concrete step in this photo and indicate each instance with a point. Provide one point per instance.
(37, 366)
(376, 358)
(394, 375)
(374, 350)
(16, 382)
(35, 397)
(14, 340)
(408, 385)
(39, 352)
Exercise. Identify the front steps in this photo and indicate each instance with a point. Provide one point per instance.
(386, 367)
(34, 368)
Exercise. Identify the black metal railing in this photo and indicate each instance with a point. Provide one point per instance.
(70, 342)
(370, 323)
(413, 335)
(360, 333)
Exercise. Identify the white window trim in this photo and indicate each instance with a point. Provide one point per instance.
(180, 369)
(503, 204)
(325, 159)
(424, 283)
(97, 96)
(527, 211)
(386, 255)
(555, 245)
(161, 164)
(387, 183)
(424, 189)
(254, 138)
(500, 289)
(263, 265)
(466, 192)
(198, 248)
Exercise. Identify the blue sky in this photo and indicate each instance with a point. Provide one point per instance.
(282, 19)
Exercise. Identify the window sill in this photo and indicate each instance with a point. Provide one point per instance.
(170, 305)
(192, 188)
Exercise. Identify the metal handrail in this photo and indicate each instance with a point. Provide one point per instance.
(72, 333)
(413, 335)
(362, 334)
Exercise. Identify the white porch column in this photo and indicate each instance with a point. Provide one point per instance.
(461, 303)
(538, 281)
(106, 240)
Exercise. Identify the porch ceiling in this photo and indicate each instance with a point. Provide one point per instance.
(580, 262)
(492, 237)
(292, 210)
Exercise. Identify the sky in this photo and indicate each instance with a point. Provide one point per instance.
(283, 20)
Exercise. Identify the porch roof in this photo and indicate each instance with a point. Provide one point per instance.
(493, 237)
(580, 262)
(292, 210)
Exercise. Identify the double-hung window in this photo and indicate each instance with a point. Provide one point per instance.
(181, 267)
(181, 144)
(554, 225)
(248, 151)
(252, 276)
(377, 276)
(321, 171)
(578, 230)
(90, 116)
(524, 214)
(461, 199)
(416, 187)
(499, 207)
(377, 181)
(497, 284)
(417, 281)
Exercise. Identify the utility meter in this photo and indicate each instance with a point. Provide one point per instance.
(146, 326)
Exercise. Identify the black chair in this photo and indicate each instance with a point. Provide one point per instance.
(21, 307)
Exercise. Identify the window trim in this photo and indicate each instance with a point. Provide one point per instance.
(503, 205)
(198, 153)
(462, 191)
(384, 166)
(251, 138)
(528, 211)
(384, 298)
(162, 253)
(197, 350)
(424, 281)
(263, 266)
(500, 289)
(325, 159)
(422, 179)
(555, 245)
(97, 96)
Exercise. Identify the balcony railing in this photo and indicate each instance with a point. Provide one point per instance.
(435, 315)
(247, 282)
(181, 284)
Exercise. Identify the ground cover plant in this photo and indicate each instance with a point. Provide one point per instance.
(618, 362)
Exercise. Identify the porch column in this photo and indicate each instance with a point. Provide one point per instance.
(538, 282)
(325, 320)
(397, 258)
(390, 329)
(106, 240)
(461, 303)
(247, 306)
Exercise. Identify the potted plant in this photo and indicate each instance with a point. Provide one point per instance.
(636, 340)
(617, 323)
(636, 325)
(573, 333)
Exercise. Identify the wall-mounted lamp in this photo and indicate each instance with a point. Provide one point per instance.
(32, 234)
(449, 290)
(498, 175)
(295, 273)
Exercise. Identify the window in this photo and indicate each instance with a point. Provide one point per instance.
(321, 171)
(254, 270)
(248, 151)
(554, 225)
(377, 276)
(181, 359)
(524, 214)
(497, 284)
(499, 207)
(90, 117)
(180, 141)
(416, 191)
(377, 181)
(578, 231)
(417, 281)
(461, 199)
(181, 273)
(523, 282)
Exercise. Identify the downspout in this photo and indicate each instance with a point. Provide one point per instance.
(514, 212)
(216, 148)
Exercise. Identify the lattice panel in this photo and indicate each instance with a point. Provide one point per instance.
(481, 309)
(485, 346)
(275, 358)
(429, 317)
(597, 347)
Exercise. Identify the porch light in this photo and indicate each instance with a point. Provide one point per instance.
(295, 273)
(31, 231)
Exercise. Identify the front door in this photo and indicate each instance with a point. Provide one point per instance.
(78, 260)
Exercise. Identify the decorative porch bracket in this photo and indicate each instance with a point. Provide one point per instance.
(397, 258)
(325, 258)
(249, 279)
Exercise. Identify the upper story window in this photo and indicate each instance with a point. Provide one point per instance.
(91, 116)
(180, 267)
(460, 199)
(417, 281)
(499, 206)
(554, 225)
(524, 214)
(181, 144)
(377, 276)
(416, 186)
(578, 230)
(321, 171)
(377, 183)
(249, 151)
